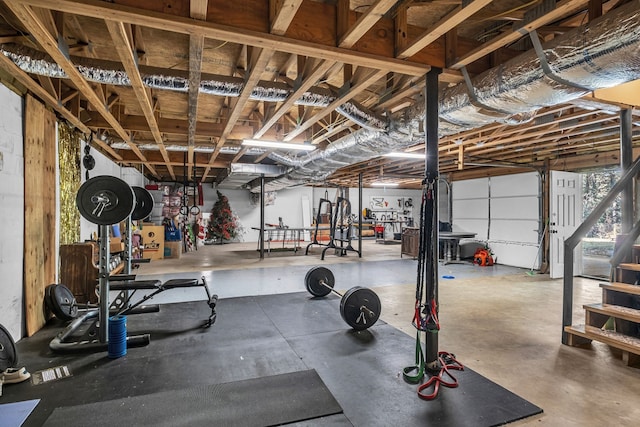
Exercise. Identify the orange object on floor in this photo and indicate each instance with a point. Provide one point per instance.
(483, 258)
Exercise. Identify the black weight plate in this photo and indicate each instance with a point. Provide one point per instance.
(63, 303)
(8, 353)
(312, 281)
(47, 298)
(105, 200)
(353, 314)
(144, 203)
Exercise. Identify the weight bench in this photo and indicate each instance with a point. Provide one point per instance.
(122, 304)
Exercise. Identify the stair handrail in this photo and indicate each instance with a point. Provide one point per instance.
(625, 245)
(572, 241)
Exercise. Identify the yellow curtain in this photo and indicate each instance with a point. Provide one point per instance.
(69, 160)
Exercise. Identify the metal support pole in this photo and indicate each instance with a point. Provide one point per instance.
(262, 216)
(360, 215)
(127, 246)
(626, 159)
(431, 175)
(103, 280)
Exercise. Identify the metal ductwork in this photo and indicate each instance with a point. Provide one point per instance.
(602, 54)
(105, 72)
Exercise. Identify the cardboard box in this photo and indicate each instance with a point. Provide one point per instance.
(153, 241)
(172, 249)
(116, 245)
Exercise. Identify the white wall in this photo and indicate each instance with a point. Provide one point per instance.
(504, 212)
(389, 194)
(11, 212)
(288, 205)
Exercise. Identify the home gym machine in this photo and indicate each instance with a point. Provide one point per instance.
(106, 200)
(340, 225)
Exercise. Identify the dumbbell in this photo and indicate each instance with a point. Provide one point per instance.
(359, 306)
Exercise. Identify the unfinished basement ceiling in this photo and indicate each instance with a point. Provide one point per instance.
(149, 81)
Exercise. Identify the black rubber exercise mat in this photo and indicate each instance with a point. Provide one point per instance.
(266, 401)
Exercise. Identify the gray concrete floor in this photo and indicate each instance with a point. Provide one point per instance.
(502, 322)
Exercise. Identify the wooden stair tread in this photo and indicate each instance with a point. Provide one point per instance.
(621, 287)
(617, 311)
(629, 266)
(612, 338)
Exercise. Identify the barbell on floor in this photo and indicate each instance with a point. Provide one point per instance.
(359, 306)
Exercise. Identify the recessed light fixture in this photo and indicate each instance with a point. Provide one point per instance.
(401, 155)
(277, 144)
(384, 184)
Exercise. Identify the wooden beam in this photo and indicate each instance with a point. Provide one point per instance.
(453, 19)
(11, 68)
(563, 8)
(307, 83)
(106, 10)
(257, 68)
(169, 126)
(374, 13)
(281, 14)
(198, 9)
(595, 9)
(363, 84)
(124, 46)
(49, 43)
(241, 153)
(47, 84)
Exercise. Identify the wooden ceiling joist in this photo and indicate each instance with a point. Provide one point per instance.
(446, 24)
(124, 47)
(49, 43)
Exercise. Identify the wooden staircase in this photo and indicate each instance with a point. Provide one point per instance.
(619, 298)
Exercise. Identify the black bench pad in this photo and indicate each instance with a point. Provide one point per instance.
(180, 283)
(132, 285)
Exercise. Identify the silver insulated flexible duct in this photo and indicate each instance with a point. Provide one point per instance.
(604, 53)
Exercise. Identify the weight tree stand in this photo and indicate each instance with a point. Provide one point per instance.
(318, 219)
(425, 316)
(343, 209)
(106, 200)
(334, 218)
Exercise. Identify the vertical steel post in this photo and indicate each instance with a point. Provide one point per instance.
(262, 216)
(626, 159)
(360, 215)
(103, 280)
(431, 177)
(127, 245)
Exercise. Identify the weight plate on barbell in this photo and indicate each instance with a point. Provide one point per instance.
(105, 200)
(360, 308)
(8, 353)
(144, 203)
(313, 278)
(63, 303)
(47, 298)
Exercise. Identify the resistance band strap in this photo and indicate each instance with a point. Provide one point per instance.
(418, 368)
(449, 363)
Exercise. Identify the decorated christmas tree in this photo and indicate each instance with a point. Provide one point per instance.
(223, 224)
